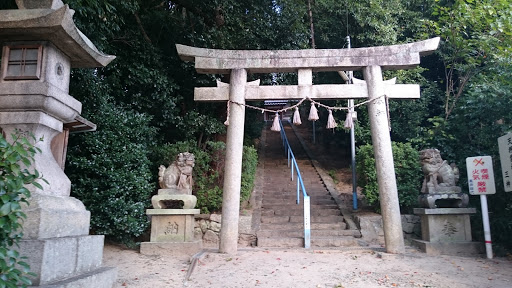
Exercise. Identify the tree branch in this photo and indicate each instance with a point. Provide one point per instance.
(141, 27)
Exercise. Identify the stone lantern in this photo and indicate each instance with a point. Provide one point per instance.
(40, 44)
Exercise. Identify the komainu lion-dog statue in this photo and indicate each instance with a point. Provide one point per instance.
(176, 184)
(178, 174)
(439, 176)
(439, 187)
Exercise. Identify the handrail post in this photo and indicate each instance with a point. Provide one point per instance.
(298, 190)
(307, 222)
(292, 170)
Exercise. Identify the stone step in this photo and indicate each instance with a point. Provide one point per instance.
(286, 179)
(318, 212)
(292, 186)
(300, 225)
(293, 203)
(319, 219)
(300, 206)
(292, 242)
(280, 242)
(328, 241)
(297, 219)
(314, 233)
(293, 196)
(291, 200)
(284, 164)
(292, 193)
(295, 212)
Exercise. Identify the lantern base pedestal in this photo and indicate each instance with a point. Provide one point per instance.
(172, 230)
(447, 231)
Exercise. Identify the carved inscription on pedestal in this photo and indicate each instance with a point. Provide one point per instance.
(449, 229)
(171, 228)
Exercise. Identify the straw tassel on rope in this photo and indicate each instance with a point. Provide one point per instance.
(296, 117)
(275, 124)
(331, 124)
(313, 113)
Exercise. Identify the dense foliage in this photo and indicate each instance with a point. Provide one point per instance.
(114, 181)
(408, 175)
(16, 157)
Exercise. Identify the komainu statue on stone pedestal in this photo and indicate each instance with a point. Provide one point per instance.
(439, 187)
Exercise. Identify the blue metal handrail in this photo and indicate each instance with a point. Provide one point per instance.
(300, 186)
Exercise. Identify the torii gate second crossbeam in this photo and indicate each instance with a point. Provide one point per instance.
(370, 60)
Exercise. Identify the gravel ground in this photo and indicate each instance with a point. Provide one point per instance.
(254, 267)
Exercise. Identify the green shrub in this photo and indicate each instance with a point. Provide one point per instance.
(407, 170)
(109, 172)
(15, 161)
(209, 171)
(249, 164)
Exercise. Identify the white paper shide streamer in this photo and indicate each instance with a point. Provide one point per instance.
(296, 117)
(275, 124)
(349, 123)
(331, 124)
(313, 113)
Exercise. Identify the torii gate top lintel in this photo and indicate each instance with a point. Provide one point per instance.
(215, 61)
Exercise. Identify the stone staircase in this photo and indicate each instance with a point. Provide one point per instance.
(282, 221)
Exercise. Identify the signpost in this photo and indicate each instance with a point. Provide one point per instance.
(481, 182)
(505, 147)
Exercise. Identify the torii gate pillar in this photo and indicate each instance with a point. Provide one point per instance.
(381, 139)
(233, 163)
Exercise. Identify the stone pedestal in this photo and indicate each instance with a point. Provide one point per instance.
(169, 195)
(447, 231)
(172, 230)
(68, 262)
(444, 200)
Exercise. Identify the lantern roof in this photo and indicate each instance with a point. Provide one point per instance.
(51, 20)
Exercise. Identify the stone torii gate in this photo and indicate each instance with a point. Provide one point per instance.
(370, 60)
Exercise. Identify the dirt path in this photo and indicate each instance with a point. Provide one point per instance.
(308, 268)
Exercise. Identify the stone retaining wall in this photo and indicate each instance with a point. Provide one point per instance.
(411, 225)
(372, 230)
(207, 228)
